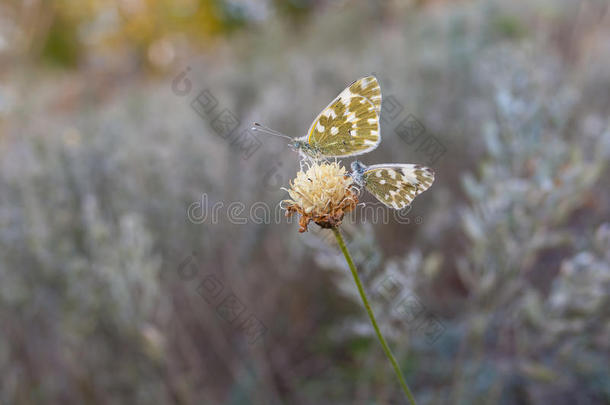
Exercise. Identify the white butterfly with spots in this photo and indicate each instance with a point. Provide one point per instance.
(348, 126)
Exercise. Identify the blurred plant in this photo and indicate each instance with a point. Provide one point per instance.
(520, 220)
(65, 32)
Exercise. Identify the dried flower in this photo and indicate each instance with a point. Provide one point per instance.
(322, 194)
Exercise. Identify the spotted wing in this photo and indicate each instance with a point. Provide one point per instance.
(396, 185)
(349, 125)
(367, 87)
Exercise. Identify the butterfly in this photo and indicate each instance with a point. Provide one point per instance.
(394, 184)
(348, 126)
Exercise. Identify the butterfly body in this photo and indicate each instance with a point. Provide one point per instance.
(303, 147)
(358, 169)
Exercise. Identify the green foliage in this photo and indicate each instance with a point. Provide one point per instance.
(61, 47)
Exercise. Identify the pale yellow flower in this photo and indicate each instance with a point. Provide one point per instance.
(323, 193)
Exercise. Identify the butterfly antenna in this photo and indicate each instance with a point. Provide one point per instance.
(266, 130)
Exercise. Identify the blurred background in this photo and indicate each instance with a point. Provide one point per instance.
(143, 258)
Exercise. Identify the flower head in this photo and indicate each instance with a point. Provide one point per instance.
(322, 194)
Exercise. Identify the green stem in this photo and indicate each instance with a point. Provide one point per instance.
(385, 346)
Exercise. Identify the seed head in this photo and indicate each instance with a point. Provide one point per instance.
(322, 194)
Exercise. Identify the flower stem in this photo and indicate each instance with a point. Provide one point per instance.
(385, 346)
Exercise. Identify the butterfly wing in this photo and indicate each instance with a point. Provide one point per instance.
(367, 87)
(349, 125)
(396, 185)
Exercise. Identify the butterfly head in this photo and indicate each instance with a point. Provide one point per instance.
(304, 148)
(299, 145)
(358, 169)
